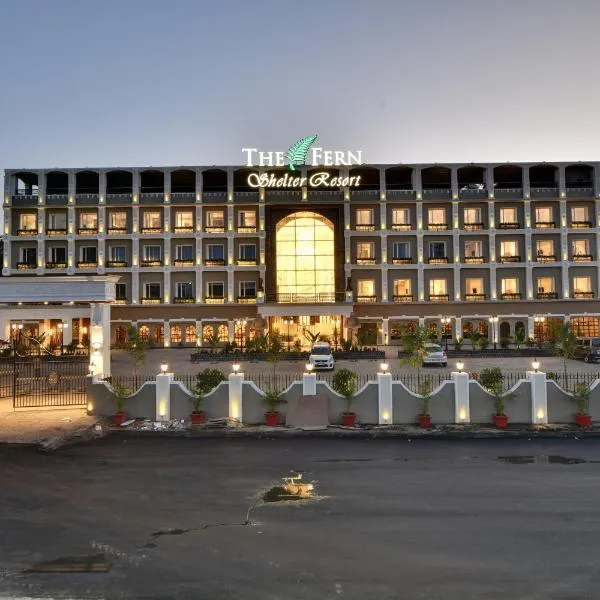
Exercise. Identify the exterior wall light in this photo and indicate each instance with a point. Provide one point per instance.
(535, 365)
(460, 365)
(164, 367)
(235, 367)
(384, 367)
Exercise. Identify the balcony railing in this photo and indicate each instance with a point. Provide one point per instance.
(87, 230)
(247, 229)
(215, 229)
(26, 266)
(214, 262)
(214, 300)
(152, 230)
(365, 261)
(439, 297)
(120, 301)
(546, 295)
(50, 232)
(151, 300)
(246, 262)
(438, 260)
(26, 232)
(437, 227)
(322, 298)
(116, 230)
(366, 299)
(582, 258)
(401, 226)
(86, 264)
(509, 225)
(116, 264)
(474, 297)
(473, 226)
(183, 262)
(545, 224)
(183, 300)
(56, 265)
(403, 298)
(510, 259)
(402, 260)
(581, 224)
(543, 258)
(474, 260)
(583, 295)
(183, 229)
(511, 296)
(152, 263)
(246, 299)
(365, 227)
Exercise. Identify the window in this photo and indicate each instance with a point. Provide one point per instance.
(365, 250)
(145, 332)
(27, 222)
(472, 216)
(159, 334)
(247, 218)
(152, 253)
(544, 247)
(543, 215)
(402, 287)
(121, 291)
(184, 219)
(215, 218)
(57, 255)
(57, 221)
(118, 220)
(508, 215)
(473, 248)
(184, 289)
(364, 217)
(247, 289)
(216, 289)
(117, 253)
(176, 334)
(545, 285)
(215, 252)
(579, 214)
(437, 249)
(207, 332)
(152, 291)
(29, 256)
(586, 326)
(438, 287)
(223, 332)
(474, 286)
(88, 221)
(248, 252)
(89, 254)
(509, 285)
(400, 216)
(184, 253)
(152, 220)
(437, 216)
(580, 247)
(190, 334)
(509, 248)
(366, 287)
(400, 250)
(582, 284)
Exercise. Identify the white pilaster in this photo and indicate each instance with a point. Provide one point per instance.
(163, 396)
(539, 399)
(462, 412)
(236, 382)
(100, 338)
(384, 397)
(309, 384)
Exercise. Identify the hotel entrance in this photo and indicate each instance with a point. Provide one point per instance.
(300, 332)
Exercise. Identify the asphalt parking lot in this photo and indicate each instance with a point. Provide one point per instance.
(396, 519)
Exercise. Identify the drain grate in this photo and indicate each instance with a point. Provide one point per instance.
(96, 563)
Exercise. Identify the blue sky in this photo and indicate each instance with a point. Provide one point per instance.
(148, 82)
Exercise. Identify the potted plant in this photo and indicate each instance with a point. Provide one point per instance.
(120, 396)
(491, 380)
(273, 398)
(458, 342)
(581, 393)
(344, 383)
(425, 389)
(206, 381)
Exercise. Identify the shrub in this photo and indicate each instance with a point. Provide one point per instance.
(272, 399)
(458, 342)
(483, 342)
(209, 379)
(425, 389)
(346, 345)
(581, 394)
(504, 342)
(344, 383)
(491, 379)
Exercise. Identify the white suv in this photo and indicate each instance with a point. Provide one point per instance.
(435, 355)
(321, 356)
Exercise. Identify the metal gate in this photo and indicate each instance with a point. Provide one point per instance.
(40, 382)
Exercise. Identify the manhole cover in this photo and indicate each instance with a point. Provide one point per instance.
(73, 564)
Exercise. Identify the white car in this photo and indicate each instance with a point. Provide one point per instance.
(321, 356)
(435, 356)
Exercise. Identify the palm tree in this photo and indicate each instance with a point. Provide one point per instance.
(414, 343)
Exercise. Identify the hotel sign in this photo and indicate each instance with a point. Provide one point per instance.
(302, 153)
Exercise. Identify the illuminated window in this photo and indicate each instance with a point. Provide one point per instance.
(508, 214)
(117, 220)
(215, 218)
(247, 218)
(223, 332)
(151, 219)
(585, 326)
(207, 332)
(144, 332)
(474, 285)
(402, 287)
(365, 250)
(365, 287)
(159, 334)
(545, 285)
(509, 248)
(510, 285)
(582, 284)
(88, 221)
(543, 214)
(364, 216)
(580, 247)
(473, 248)
(472, 216)
(151, 253)
(438, 287)
(400, 216)
(544, 247)
(184, 219)
(176, 334)
(437, 216)
(28, 222)
(120, 334)
(190, 334)
(579, 214)
(305, 256)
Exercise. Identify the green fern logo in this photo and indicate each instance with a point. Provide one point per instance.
(296, 155)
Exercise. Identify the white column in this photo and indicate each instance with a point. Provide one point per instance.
(100, 338)
(199, 291)
(539, 400)
(236, 382)
(461, 397)
(385, 330)
(163, 396)
(384, 396)
(526, 186)
(67, 335)
(167, 286)
(167, 330)
(198, 333)
(530, 327)
(309, 384)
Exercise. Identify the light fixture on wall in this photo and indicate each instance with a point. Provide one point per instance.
(92, 368)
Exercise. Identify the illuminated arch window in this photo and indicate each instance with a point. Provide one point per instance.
(223, 332)
(305, 258)
(207, 331)
(190, 334)
(145, 332)
(176, 334)
(159, 334)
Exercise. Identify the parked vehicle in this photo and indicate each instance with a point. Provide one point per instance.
(435, 356)
(587, 349)
(321, 356)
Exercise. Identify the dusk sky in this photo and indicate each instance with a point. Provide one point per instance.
(190, 82)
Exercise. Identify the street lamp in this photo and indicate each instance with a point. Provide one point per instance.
(288, 322)
(445, 321)
(494, 322)
(539, 320)
(61, 328)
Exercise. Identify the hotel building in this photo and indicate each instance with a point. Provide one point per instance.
(199, 251)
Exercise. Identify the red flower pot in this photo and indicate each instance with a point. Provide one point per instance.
(425, 421)
(501, 421)
(198, 417)
(272, 419)
(119, 417)
(349, 419)
(583, 420)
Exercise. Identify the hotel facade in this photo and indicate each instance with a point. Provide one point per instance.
(199, 251)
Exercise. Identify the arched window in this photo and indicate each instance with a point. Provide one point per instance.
(207, 331)
(223, 332)
(482, 327)
(190, 334)
(159, 334)
(519, 326)
(504, 329)
(145, 332)
(121, 334)
(176, 334)
(467, 330)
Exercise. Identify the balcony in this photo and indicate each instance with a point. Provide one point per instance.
(183, 262)
(582, 258)
(321, 298)
(87, 231)
(581, 224)
(544, 258)
(545, 225)
(86, 264)
(151, 300)
(366, 299)
(243, 262)
(116, 264)
(183, 197)
(543, 192)
(546, 295)
(247, 229)
(474, 260)
(473, 226)
(218, 229)
(439, 297)
(474, 297)
(511, 296)
(181, 229)
(56, 265)
(214, 300)
(365, 227)
(403, 298)
(117, 230)
(365, 261)
(120, 301)
(183, 300)
(438, 260)
(152, 230)
(404, 260)
(437, 227)
(26, 266)
(214, 262)
(510, 259)
(509, 225)
(152, 263)
(509, 192)
(583, 190)
(401, 226)
(437, 194)
(473, 191)
(51, 232)
(246, 299)
(583, 295)
(26, 232)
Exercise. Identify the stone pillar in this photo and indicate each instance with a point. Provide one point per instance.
(458, 327)
(526, 186)
(198, 333)
(163, 396)
(167, 330)
(489, 181)
(539, 399)
(385, 331)
(461, 398)
(236, 384)
(309, 384)
(530, 327)
(67, 335)
(384, 396)
(100, 338)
